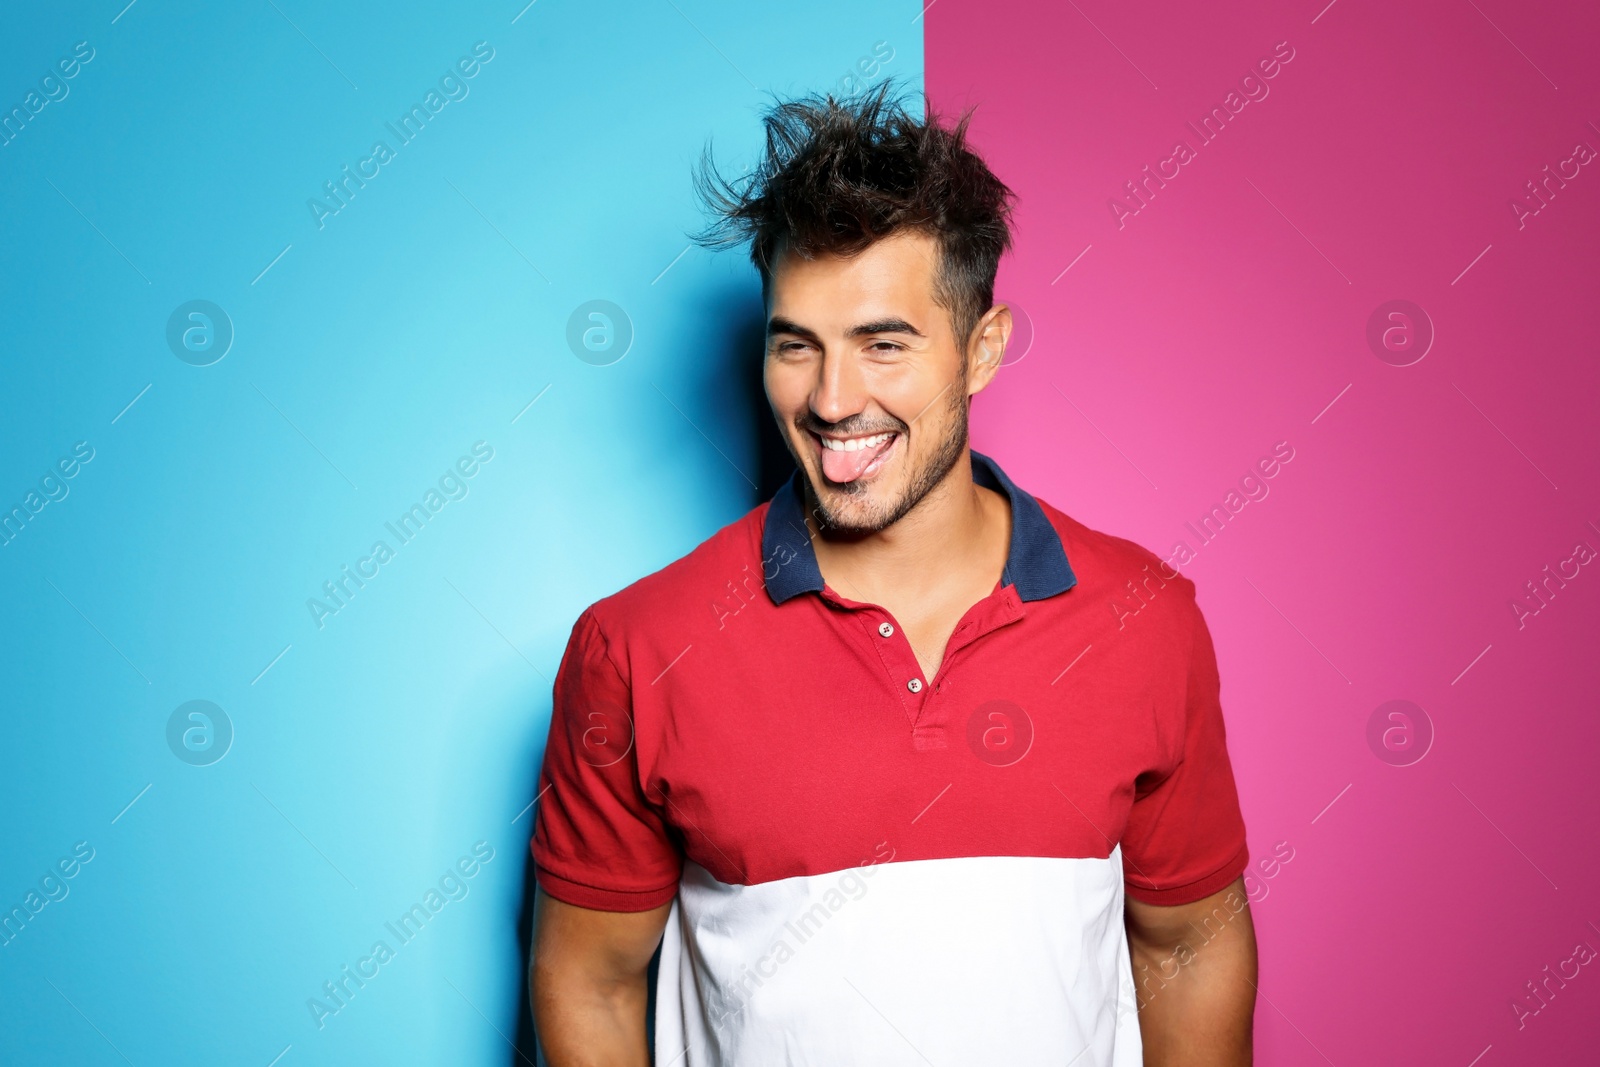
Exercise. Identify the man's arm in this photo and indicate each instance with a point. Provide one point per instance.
(587, 982)
(1194, 972)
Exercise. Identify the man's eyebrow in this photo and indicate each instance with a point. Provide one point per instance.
(778, 324)
(883, 326)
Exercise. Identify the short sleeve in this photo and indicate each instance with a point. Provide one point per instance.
(1185, 837)
(597, 840)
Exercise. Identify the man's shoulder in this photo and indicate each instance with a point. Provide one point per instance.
(662, 602)
(1105, 563)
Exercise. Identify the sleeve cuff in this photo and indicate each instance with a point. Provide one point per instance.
(596, 898)
(1188, 893)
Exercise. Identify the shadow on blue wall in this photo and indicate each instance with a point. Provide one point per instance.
(738, 350)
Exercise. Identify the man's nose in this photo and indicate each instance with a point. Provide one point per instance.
(840, 389)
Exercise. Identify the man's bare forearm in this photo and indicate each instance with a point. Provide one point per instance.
(588, 983)
(582, 1024)
(1194, 972)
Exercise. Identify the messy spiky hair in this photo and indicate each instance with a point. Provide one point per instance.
(840, 174)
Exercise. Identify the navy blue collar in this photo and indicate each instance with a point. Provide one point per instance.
(1036, 562)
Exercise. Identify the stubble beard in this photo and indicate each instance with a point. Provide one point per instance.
(930, 473)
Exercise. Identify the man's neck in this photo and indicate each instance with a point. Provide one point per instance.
(955, 537)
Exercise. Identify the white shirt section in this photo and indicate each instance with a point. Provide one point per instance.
(1011, 960)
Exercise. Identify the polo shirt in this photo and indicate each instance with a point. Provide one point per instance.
(867, 865)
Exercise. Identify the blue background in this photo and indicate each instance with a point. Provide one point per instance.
(372, 752)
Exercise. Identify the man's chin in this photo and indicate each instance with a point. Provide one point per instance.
(852, 507)
(850, 526)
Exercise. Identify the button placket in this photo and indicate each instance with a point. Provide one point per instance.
(899, 662)
(902, 649)
(886, 630)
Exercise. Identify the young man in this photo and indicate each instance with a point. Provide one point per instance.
(881, 766)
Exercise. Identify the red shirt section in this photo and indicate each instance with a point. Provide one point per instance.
(732, 710)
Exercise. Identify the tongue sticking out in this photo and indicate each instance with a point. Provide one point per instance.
(848, 466)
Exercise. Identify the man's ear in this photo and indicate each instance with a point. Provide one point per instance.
(988, 347)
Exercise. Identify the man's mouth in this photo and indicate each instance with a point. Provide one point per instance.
(846, 459)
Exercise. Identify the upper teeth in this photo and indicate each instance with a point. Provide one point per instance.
(855, 444)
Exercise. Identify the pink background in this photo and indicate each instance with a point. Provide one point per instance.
(1225, 317)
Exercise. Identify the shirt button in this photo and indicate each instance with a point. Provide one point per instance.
(886, 629)
(915, 685)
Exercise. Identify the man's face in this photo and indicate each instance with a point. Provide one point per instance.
(867, 380)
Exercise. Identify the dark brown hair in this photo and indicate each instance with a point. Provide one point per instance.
(839, 174)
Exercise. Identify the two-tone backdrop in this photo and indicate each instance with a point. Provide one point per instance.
(347, 354)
